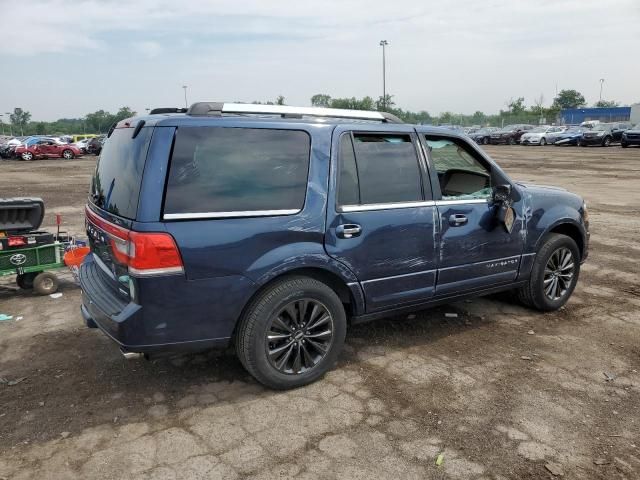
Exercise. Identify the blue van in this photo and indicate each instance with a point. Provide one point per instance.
(273, 228)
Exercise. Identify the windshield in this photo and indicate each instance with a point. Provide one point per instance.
(599, 127)
(574, 130)
(539, 130)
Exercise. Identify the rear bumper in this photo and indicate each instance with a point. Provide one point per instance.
(171, 313)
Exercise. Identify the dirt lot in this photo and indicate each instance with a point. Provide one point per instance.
(404, 391)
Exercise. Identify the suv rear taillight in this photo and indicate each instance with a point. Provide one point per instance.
(145, 253)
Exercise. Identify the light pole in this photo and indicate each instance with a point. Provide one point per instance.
(383, 44)
(2, 123)
(185, 95)
(601, 83)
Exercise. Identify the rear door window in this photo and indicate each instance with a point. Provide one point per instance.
(115, 186)
(378, 169)
(237, 171)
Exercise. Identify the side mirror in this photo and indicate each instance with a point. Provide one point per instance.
(502, 193)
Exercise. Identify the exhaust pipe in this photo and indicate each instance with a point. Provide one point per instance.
(132, 355)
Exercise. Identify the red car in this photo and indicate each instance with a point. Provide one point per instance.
(48, 148)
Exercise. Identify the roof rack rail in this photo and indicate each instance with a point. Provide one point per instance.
(218, 108)
(161, 110)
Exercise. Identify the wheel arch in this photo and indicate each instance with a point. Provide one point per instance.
(571, 230)
(350, 293)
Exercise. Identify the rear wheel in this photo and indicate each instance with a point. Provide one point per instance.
(45, 283)
(485, 141)
(554, 274)
(27, 156)
(68, 154)
(624, 144)
(543, 141)
(512, 141)
(292, 333)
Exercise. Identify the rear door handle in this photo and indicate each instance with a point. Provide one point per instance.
(348, 230)
(457, 220)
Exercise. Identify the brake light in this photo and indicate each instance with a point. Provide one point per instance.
(145, 254)
(17, 241)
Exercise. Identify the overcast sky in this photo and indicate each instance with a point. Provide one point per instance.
(68, 58)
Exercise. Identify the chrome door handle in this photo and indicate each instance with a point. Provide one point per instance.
(348, 230)
(458, 220)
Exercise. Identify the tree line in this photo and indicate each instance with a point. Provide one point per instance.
(516, 111)
(97, 122)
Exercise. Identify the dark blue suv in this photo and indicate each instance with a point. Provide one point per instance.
(273, 228)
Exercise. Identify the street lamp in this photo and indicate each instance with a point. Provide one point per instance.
(383, 44)
(601, 83)
(185, 95)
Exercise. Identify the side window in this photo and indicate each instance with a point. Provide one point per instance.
(217, 169)
(460, 174)
(386, 170)
(348, 188)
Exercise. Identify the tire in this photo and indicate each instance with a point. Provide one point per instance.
(606, 141)
(485, 141)
(27, 156)
(274, 311)
(45, 283)
(624, 144)
(67, 154)
(535, 293)
(582, 144)
(25, 280)
(512, 141)
(543, 142)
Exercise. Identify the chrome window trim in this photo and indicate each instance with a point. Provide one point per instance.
(239, 214)
(385, 206)
(462, 202)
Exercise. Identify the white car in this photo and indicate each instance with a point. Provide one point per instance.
(82, 145)
(540, 135)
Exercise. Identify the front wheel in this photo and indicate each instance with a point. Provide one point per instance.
(624, 144)
(512, 141)
(27, 156)
(485, 141)
(292, 333)
(554, 274)
(543, 142)
(67, 154)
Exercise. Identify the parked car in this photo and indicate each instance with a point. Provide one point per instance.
(47, 148)
(327, 219)
(617, 129)
(631, 136)
(571, 136)
(601, 134)
(483, 135)
(94, 145)
(510, 134)
(82, 144)
(539, 135)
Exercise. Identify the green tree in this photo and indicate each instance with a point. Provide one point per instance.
(606, 103)
(280, 100)
(478, 118)
(19, 119)
(385, 104)
(124, 112)
(320, 100)
(569, 99)
(100, 121)
(516, 106)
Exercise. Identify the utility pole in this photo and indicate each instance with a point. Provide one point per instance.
(601, 83)
(383, 44)
(2, 123)
(185, 96)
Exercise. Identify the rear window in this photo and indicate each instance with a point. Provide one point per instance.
(116, 184)
(237, 170)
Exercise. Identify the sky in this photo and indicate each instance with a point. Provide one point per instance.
(66, 58)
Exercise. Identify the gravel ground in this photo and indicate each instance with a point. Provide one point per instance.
(406, 389)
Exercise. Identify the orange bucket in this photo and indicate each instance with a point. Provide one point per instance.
(75, 256)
